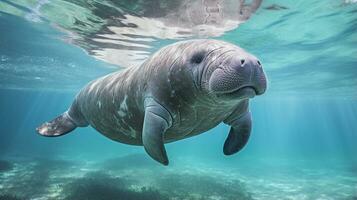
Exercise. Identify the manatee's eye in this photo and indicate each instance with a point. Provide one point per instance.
(198, 57)
(242, 61)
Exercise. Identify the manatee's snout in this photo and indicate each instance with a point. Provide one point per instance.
(238, 77)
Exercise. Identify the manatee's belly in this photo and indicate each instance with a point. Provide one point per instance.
(126, 127)
(192, 121)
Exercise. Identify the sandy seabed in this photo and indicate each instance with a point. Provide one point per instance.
(137, 177)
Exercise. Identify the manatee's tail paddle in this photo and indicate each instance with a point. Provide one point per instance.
(59, 126)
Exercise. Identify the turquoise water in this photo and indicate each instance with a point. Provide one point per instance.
(304, 138)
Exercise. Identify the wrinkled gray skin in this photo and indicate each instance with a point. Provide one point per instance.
(183, 90)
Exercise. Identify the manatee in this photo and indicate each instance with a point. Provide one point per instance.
(182, 90)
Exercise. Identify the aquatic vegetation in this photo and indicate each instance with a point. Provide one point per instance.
(5, 166)
(101, 186)
(174, 184)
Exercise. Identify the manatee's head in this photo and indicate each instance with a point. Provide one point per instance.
(227, 72)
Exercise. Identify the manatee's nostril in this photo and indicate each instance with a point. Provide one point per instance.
(259, 63)
(242, 61)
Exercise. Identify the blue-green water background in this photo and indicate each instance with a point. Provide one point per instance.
(304, 139)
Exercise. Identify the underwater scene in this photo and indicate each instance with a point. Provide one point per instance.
(173, 122)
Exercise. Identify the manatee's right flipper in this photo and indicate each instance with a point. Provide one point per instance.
(57, 127)
(238, 135)
(241, 125)
(156, 121)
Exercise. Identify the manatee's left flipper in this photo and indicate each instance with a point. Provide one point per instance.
(156, 121)
(59, 126)
(239, 134)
